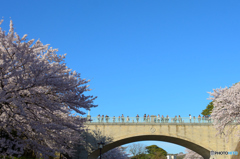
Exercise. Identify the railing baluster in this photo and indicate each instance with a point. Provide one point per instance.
(150, 120)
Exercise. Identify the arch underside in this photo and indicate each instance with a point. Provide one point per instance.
(190, 145)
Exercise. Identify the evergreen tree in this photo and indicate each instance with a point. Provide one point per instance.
(208, 109)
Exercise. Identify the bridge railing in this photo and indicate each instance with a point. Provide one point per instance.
(151, 119)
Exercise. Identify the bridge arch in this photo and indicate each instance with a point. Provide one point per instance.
(176, 140)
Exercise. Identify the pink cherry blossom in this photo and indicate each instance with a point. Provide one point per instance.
(38, 94)
(226, 111)
(192, 155)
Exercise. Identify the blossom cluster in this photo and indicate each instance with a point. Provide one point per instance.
(38, 94)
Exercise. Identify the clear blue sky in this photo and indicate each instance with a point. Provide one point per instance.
(153, 57)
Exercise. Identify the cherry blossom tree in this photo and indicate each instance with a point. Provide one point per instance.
(38, 93)
(116, 153)
(92, 138)
(180, 155)
(226, 111)
(192, 155)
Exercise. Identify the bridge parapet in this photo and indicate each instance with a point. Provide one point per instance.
(153, 119)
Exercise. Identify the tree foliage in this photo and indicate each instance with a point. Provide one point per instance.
(155, 152)
(140, 156)
(38, 92)
(226, 109)
(154, 149)
(208, 109)
(152, 152)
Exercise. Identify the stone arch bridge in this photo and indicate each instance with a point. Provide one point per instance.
(198, 135)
